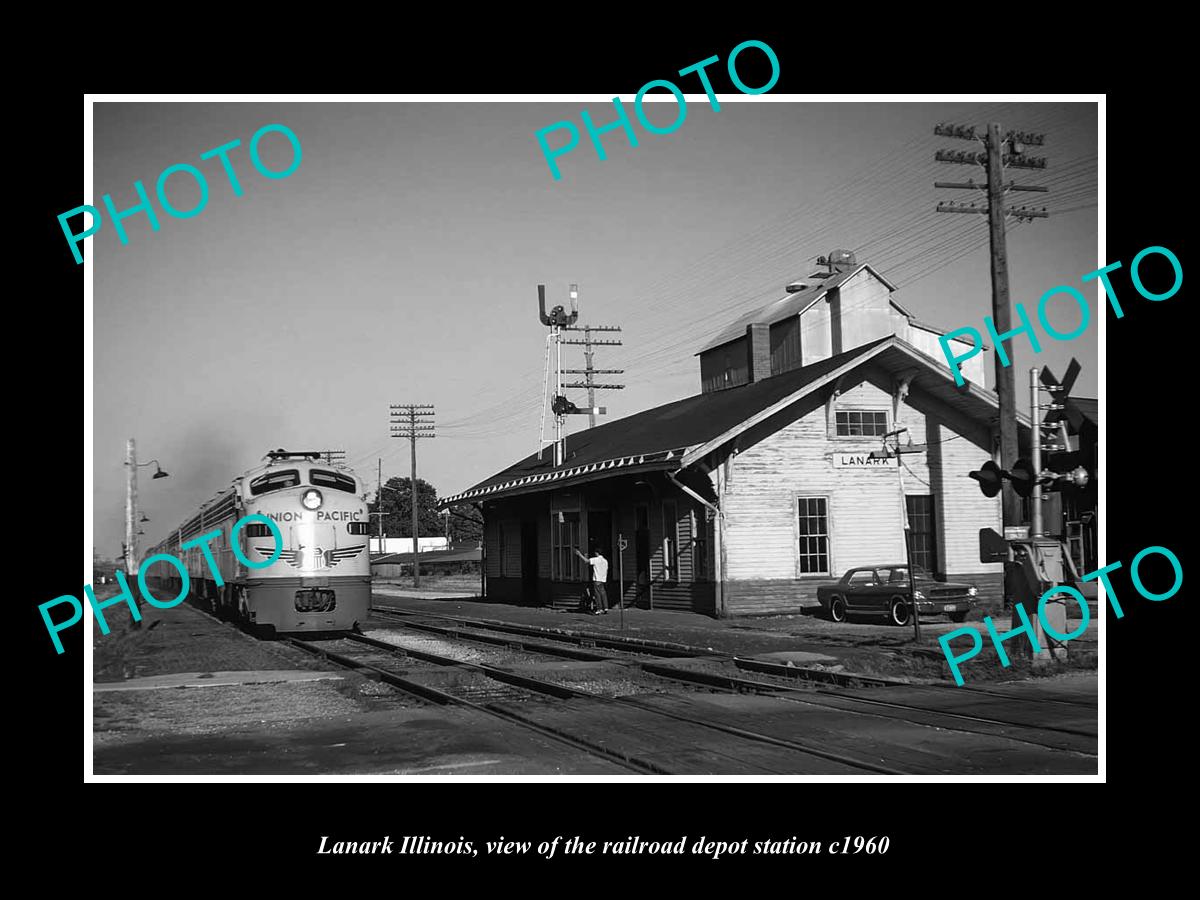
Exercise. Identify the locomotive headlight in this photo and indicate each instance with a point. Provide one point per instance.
(311, 499)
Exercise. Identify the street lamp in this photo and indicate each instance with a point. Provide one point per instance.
(159, 473)
(132, 531)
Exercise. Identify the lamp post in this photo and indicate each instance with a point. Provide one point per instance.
(131, 514)
(898, 452)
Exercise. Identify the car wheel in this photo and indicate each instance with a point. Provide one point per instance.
(957, 616)
(898, 612)
(837, 609)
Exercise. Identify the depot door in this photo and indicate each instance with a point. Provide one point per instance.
(641, 543)
(922, 522)
(529, 563)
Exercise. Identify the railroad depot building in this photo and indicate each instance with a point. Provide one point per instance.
(744, 498)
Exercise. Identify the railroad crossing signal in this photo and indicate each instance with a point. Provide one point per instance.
(1063, 469)
(1022, 477)
(990, 477)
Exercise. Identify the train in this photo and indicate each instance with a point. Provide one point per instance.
(321, 579)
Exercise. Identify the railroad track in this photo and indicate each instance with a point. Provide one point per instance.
(539, 688)
(1004, 724)
(638, 646)
(387, 674)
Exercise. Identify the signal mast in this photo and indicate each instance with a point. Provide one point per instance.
(559, 320)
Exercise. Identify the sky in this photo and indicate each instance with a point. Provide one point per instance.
(400, 262)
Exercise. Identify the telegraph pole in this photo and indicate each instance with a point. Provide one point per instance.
(588, 360)
(413, 421)
(131, 525)
(379, 504)
(333, 457)
(998, 153)
(589, 383)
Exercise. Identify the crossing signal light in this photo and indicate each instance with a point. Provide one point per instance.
(1023, 477)
(990, 477)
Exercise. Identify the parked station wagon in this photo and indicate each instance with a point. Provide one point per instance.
(883, 590)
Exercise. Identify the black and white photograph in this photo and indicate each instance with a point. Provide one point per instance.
(704, 432)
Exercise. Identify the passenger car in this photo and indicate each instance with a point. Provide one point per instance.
(883, 590)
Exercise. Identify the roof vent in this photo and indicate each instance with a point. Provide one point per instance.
(796, 287)
(838, 260)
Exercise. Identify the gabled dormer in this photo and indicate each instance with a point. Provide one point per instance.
(846, 305)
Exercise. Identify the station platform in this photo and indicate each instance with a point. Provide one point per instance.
(863, 645)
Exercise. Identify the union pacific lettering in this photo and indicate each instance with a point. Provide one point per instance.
(321, 516)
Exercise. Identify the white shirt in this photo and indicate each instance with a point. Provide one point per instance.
(599, 568)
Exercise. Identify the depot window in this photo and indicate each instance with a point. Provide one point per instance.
(861, 423)
(274, 481)
(670, 513)
(812, 531)
(565, 535)
(335, 480)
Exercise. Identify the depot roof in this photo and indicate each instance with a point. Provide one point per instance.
(678, 434)
(793, 304)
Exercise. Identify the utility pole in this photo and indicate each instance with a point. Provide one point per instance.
(1036, 526)
(589, 383)
(588, 360)
(998, 153)
(333, 457)
(379, 504)
(131, 526)
(413, 421)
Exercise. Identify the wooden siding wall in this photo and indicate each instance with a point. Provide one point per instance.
(927, 342)
(863, 505)
(491, 537)
(713, 364)
(865, 308)
(512, 546)
(786, 353)
(816, 333)
(690, 590)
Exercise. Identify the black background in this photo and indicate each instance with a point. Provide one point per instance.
(955, 833)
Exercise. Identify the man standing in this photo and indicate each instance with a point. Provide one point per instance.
(599, 567)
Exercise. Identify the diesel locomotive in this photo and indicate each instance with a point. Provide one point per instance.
(321, 578)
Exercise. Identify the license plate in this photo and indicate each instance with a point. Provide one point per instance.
(314, 600)
(950, 607)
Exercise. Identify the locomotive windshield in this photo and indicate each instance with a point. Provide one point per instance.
(335, 480)
(274, 481)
